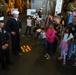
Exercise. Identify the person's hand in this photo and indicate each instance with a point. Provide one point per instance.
(4, 47)
(19, 30)
(13, 33)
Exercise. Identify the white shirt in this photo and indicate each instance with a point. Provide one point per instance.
(29, 22)
(34, 16)
(66, 38)
(43, 35)
(0, 30)
(16, 19)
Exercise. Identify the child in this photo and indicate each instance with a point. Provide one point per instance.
(29, 24)
(50, 36)
(64, 45)
(36, 26)
(4, 50)
(43, 37)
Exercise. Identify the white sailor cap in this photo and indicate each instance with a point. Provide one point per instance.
(14, 11)
(1, 19)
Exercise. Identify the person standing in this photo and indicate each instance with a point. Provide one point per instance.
(13, 26)
(73, 30)
(64, 46)
(70, 19)
(48, 21)
(57, 28)
(40, 13)
(29, 25)
(4, 43)
(50, 36)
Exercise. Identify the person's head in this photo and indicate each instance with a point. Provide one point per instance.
(67, 30)
(56, 20)
(51, 26)
(29, 17)
(1, 22)
(49, 14)
(40, 9)
(36, 14)
(74, 20)
(73, 13)
(60, 15)
(15, 13)
(42, 29)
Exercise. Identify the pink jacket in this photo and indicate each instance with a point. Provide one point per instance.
(50, 35)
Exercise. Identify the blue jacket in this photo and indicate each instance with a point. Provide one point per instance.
(70, 19)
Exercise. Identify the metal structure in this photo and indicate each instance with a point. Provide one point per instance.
(47, 5)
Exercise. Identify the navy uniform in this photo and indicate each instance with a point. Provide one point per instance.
(4, 49)
(14, 25)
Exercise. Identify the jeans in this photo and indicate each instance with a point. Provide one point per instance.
(49, 48)
(43, 40)
(28, 28)
(63, 54)
(71, 49)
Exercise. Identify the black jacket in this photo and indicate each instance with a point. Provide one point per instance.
(13, 25)
(4, 37)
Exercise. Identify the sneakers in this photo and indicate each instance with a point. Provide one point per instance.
(60, 58)
(46, 55)
(64, 61)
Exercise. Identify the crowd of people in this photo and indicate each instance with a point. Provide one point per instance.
(56, 32)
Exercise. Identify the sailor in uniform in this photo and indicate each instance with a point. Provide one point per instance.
(4, 43)
(13, 26)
